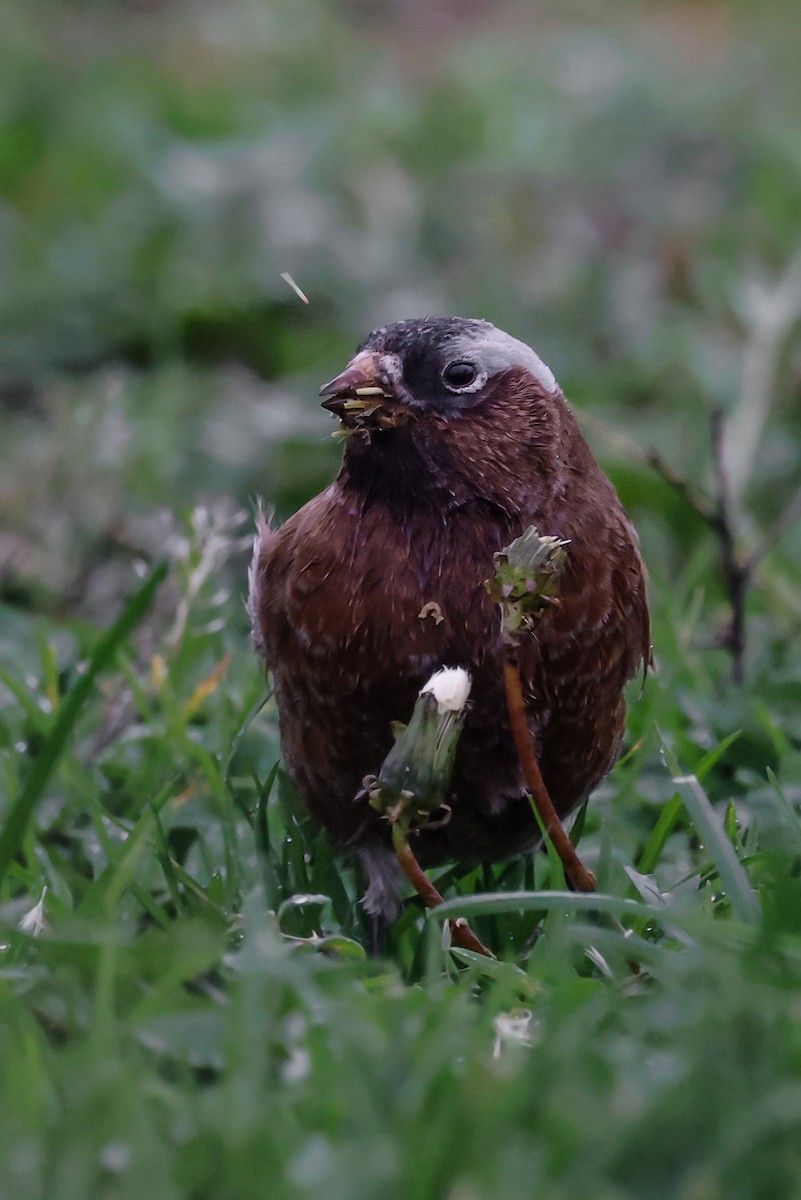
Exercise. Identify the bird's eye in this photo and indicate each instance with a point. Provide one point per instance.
(459, 375)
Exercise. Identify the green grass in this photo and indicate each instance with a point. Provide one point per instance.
(198, 1017)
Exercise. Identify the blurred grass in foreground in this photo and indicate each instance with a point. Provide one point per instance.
(197, 1017)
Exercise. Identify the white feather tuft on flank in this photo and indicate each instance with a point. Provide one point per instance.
(384, 881)
(263, 533)
(450, 688)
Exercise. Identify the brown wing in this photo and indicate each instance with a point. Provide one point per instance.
(589, 645)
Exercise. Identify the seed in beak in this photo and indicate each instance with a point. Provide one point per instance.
(356, 406)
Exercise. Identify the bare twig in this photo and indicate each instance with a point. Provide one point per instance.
(627, 447)
(735, 571)
(720, 515)
(696, 499)
(782, 525)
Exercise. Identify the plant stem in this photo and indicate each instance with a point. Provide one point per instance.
(461, 933)
(581, 878)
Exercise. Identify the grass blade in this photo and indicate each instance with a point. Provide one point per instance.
(69, 710)
(709, 826)
(790, 819)
(652, 851)
(471, 906)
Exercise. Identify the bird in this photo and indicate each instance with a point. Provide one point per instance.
(457, 438)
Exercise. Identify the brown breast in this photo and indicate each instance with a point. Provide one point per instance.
(409, 528)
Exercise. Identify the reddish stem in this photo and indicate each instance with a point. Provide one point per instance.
(461, 933)
(582, 879)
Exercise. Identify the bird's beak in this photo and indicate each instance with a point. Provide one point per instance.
(361, 386)
(363, 396)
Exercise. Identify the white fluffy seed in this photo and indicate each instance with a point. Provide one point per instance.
(450, 687)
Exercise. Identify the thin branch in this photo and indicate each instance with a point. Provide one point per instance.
(782, 525)
(692, 495)
(738, 570)
(735, 572)
(625, 446)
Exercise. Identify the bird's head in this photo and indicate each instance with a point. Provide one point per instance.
(440, 365)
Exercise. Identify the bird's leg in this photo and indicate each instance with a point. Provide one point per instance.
(582, 879)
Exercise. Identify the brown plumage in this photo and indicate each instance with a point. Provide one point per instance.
(458, 439)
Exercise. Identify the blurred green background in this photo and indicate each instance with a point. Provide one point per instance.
(620, 186)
